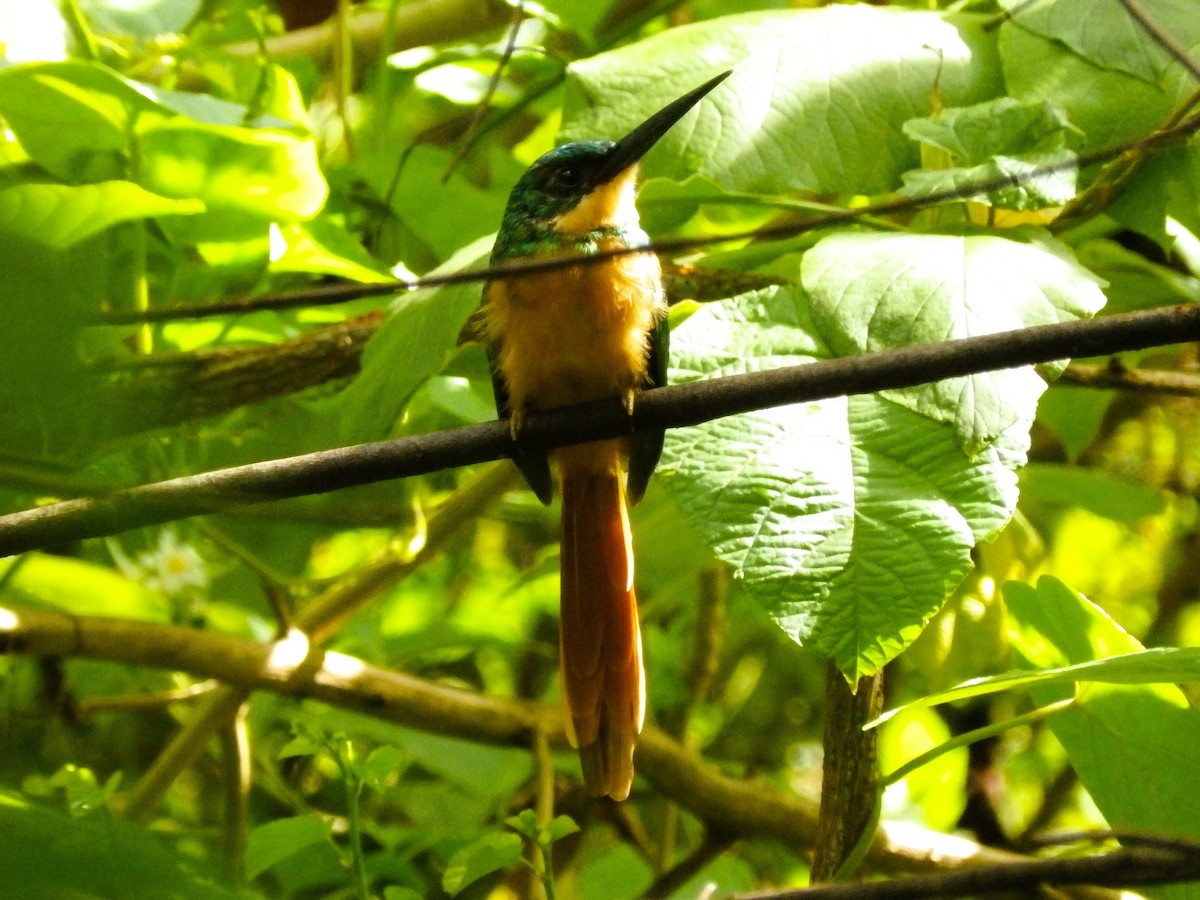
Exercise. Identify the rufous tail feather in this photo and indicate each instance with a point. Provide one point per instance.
(600, 644)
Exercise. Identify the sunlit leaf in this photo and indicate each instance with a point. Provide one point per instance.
(84, 122)
(281, 838)
(849, 520)
(415, 340)
(60, 215)
(1022, 183)
(873, 292)
(782, 122)
(1041, 67)
(1125, 733)
(1000, 127)
(1107, 35)
(937, 788)
(81, 588)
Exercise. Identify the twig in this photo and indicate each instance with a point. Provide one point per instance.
(1115, 375)
(414, 25)
(92, 706)
(319, 619)
(481, 109)
(1119, 868)
(339, 293)
(1165, 40)
(235, 782)
(669, 407)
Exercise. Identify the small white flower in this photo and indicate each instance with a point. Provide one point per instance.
(172, 567)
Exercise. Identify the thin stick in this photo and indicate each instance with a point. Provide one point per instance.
(669, 407)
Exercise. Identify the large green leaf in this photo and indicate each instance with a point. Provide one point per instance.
(816, 102)
(59, 215)
(972, 134)
(852, 519)
(849, 520)
(1032, 181)
(411, 345)
(1107, 36)
(1081, 56)
(1001, 141)
(278, 839)
(1136, 748)
(84, 123)
(874, 292)
(488, 854)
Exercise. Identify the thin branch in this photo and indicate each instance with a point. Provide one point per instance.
(1115, 375)
(319, 619)
(339, 293)
(414, 25)
(467, 139)
(235, 784)
(157, 701)
(1118, 868)
(1164, 39)
(669, 407)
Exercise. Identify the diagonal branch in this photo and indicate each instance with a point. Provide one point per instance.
(318, 620)
(669, 407)
(1116, 868)
(296, 668)
(1182, 127)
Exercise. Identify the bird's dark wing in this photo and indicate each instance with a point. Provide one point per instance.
(534, 465)
(647, 445)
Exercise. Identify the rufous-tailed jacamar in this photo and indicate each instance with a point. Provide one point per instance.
(569, 335)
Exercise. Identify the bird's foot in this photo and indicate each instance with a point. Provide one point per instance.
(627, 400)
(516, 422)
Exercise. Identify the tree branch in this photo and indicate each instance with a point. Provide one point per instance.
(414, 25)
(1118, 868)
(1161, 36)
(1177, 131)
(318, 620)
(1148, 381)
(669, 407)
(294, 667)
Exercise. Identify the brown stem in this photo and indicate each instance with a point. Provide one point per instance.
(235, 780)
(850, 775)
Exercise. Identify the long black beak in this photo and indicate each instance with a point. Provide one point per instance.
(634, 145)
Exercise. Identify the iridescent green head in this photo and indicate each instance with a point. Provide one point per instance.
(584, 186)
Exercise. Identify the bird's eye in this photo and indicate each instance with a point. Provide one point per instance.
(567, 180)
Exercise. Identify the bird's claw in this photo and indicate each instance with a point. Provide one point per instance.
(515, 423)
(627, 400)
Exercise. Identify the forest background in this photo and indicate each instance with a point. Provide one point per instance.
(233, 239)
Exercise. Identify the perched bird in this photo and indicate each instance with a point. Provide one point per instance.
(569, 335)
